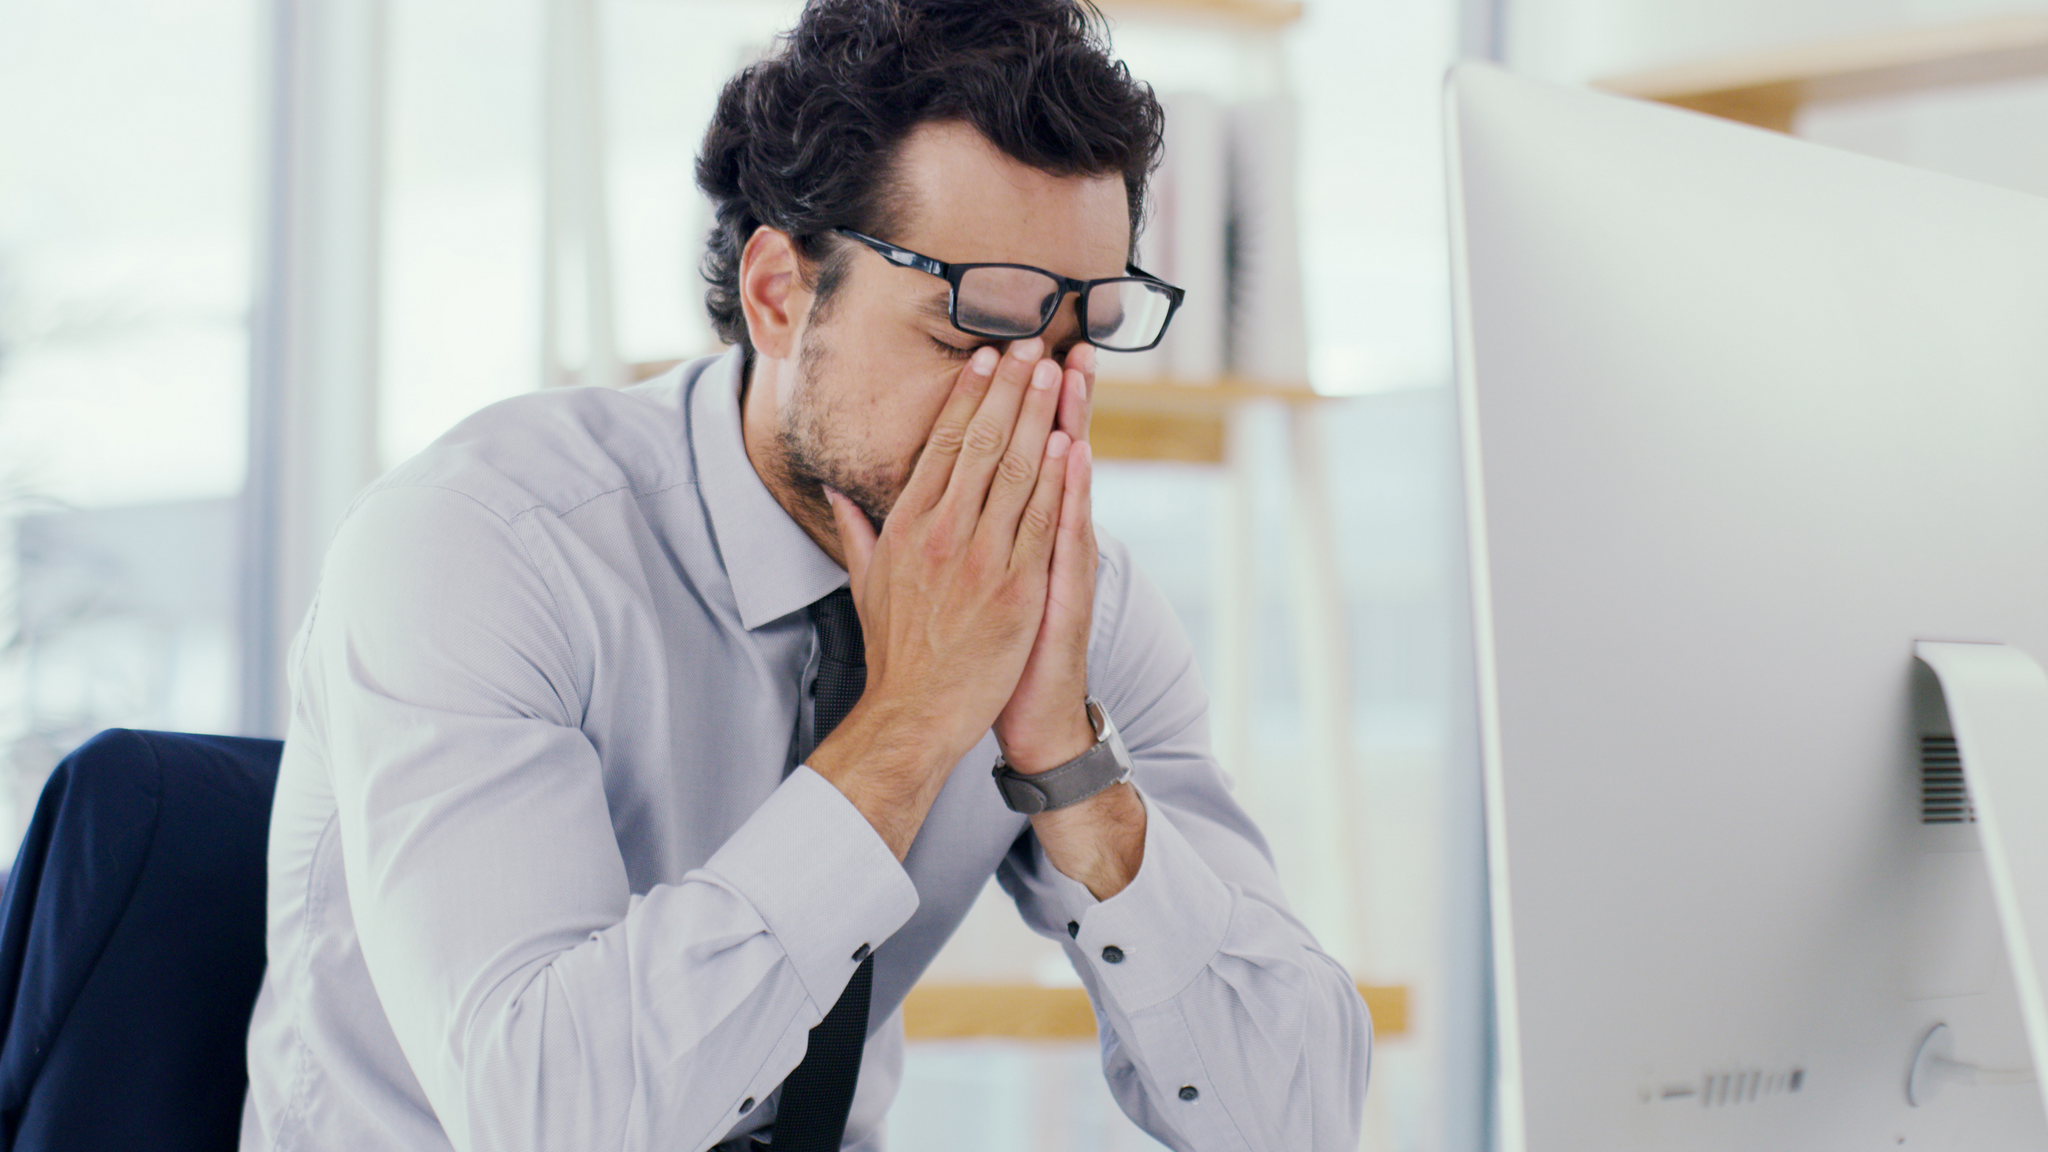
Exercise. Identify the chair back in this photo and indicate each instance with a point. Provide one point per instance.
(131, 946)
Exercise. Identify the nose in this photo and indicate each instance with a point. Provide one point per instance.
(1065, 330)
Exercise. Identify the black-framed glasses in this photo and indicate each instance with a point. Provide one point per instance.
(1016, 301)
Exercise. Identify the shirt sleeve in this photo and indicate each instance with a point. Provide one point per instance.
(540, 1003)
(1222, 1024)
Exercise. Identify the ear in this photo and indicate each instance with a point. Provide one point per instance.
(771, 293)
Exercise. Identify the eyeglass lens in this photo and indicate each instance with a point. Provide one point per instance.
(1005, 301)
(1017, 302)
(1126, 314)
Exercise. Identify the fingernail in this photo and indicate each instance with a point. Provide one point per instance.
(1057, 444)
(1045, 375)
(1087, 363)
(832, 497)
(1028, 350)
(984, 360)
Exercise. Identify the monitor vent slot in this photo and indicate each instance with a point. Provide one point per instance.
(1943, 797)
(1747, 1086)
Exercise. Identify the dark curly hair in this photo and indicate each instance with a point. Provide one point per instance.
(804, 140)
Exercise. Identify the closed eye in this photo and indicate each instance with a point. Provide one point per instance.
(954, 350)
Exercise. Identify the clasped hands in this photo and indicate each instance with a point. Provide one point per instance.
(976, 600)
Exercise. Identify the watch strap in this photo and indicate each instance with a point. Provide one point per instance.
(1104, 764)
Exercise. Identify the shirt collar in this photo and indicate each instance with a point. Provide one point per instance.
(774, 565)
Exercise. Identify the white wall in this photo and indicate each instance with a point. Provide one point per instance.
(1995, 133)
(1579, 40)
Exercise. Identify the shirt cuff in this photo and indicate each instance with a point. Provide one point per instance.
(824, 882)
(1149, 941)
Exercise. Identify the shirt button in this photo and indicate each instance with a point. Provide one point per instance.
(861, 953)
(747, 1105)
(1188, 1092)
(1073, 929)
(1112, 955)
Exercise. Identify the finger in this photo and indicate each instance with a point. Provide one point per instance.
(934, 466)
(1017, 477)
(1073, 557)
(856, 539)
(1039, 525)
(988, 434)
(1077, 391)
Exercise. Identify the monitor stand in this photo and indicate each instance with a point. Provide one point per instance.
(1997, 699)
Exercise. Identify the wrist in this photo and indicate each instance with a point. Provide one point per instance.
(881, 741)
(1046, 746)
(1098, 843)
(889, 764)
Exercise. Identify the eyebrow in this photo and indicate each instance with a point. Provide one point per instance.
(936, 307)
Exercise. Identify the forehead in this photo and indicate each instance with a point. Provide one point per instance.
(970, 203)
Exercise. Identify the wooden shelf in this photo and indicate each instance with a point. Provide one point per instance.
(1150, 395)
(1174, 422)
(1768, 88)
(1207, 396)
(1029, 1012)
(1164, 421)
(1255, 13)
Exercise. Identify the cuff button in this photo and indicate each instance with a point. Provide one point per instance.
(1073, 929)
(1188, 1092)
(1112, 955)
(861, 953)
(747, 1105)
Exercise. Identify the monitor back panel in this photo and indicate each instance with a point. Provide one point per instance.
(1743, 419)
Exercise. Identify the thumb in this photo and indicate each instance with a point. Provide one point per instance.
(856, 538)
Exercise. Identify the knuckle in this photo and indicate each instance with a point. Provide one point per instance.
(945, 439)
(974, 566)
(1017, 595)
(1038, 519)
(1017, 469)
(937, 545)
(983, 438)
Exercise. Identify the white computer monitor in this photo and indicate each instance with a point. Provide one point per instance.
(1745, 420)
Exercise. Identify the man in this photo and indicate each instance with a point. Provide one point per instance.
(642, 741)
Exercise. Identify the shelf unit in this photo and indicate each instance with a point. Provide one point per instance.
(1768, 88)
(1182, 421)
(1209, 422)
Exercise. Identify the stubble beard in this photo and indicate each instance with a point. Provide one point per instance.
(814, 457)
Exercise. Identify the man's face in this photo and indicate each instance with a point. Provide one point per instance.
(876, 366)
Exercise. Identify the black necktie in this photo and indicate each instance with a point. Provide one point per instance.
(817, 1096)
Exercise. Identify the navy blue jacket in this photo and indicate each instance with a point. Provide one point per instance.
(131, 946)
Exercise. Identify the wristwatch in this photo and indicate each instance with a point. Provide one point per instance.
(1092, 771)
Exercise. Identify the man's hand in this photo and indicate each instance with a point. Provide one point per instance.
(1099, 842)
(952, 592)
(1045, 723)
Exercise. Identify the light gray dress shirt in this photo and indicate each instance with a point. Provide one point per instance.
(545, 874)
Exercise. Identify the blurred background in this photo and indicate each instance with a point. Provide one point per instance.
(253, 252)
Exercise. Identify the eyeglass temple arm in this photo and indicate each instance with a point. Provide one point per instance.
(908, 259)
(902, 257)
